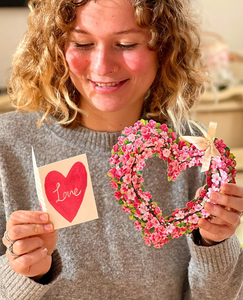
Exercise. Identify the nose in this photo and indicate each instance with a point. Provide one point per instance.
(103, 61)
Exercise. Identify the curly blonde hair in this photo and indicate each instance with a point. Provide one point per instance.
(40, 76)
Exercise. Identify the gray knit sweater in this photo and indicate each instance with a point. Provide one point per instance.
(107, 258)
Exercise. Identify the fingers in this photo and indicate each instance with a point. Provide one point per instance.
(32, 239)
(215, 232)
(228, 201)
(226, 208)
(31, 256)
(27, 217)
(23, 224)
(231, 197)
(21, 231)
(26, 263)
(21, 247)
(227, 216)
(28, 258)
(232, 189)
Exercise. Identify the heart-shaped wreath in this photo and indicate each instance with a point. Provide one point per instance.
(149, 139)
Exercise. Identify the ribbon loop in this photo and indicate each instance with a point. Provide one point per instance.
(204, 143)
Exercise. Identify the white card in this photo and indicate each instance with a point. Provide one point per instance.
(65, 191)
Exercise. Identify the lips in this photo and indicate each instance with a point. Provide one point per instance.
(106, 87)
(106, 84)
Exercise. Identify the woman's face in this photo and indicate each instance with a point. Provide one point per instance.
(108, 57)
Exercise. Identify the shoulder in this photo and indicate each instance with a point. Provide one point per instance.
(13, 119)
(15, 125)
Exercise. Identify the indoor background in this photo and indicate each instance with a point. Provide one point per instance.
(222, 48)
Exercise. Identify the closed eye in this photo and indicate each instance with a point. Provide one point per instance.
(127, 46)
(121, 46)
(83, 46)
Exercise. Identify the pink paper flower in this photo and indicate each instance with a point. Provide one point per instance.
(166, 152)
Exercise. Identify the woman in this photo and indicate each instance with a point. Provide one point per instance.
(83, 71)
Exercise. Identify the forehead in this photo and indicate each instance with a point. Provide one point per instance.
(106, 15)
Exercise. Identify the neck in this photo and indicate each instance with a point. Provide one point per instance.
(111, 121)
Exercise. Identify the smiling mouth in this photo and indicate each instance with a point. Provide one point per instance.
(108, 84)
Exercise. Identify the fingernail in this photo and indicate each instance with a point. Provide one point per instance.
(225, 188)
(201, 222)
(44, 251)
(44, 217)
(214, 197)
(48, 227)
(209, 207)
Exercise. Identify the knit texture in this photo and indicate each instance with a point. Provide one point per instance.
(107, 258)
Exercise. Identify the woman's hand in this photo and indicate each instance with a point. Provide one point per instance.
(226, 219)
(34, 241)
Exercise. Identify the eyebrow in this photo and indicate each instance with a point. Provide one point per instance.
(81, 31)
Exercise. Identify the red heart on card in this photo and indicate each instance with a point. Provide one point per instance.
(66, 194)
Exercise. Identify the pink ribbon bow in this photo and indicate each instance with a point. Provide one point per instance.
(204, 143)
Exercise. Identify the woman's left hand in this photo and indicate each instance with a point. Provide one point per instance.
(227, 218)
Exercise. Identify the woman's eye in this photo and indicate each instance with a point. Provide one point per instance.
(83, 46)
(127, 46)
(87, 46)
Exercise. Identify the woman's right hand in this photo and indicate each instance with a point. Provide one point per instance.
(35, 240)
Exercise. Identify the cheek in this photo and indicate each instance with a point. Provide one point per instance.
(140, 63)
(76, 62)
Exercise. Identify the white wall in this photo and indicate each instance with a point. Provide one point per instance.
(12, 27)
(222, 16)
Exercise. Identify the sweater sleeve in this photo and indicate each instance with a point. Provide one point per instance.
(14, 286)
(216, 272)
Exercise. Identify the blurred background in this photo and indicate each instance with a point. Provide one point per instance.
(222, 49)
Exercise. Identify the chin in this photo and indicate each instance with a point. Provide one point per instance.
(109, 108)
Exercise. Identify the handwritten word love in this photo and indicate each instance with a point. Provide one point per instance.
(66, 194)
